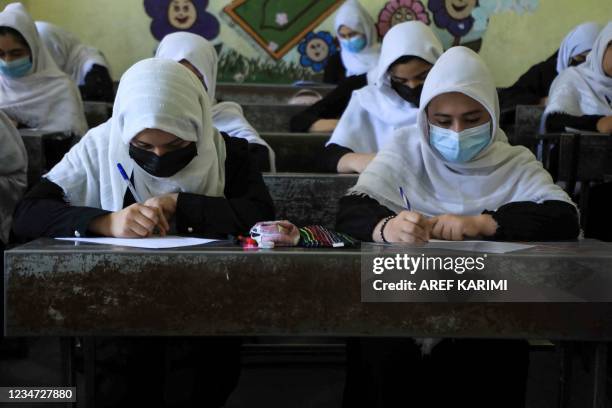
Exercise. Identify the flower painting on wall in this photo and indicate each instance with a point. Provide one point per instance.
(315, 49)
(399, 11)
(181, 15)
(456, 22)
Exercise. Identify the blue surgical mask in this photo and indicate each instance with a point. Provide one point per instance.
(16, 68)
(354, 44)
(460, 147)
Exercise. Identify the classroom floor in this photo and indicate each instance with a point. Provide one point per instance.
(300, 385)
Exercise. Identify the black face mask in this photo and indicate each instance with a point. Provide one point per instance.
(412, 95)
(167, 165)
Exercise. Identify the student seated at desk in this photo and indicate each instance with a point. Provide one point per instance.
(84, 64)
(13, 183)
(461, 177)
(200, 56)
(183, 168)
(187, 173)
(34, 93)
(389, 102)
(532, 87)
(581, 97)
(13, 175)
(359, 49)
(462, 180)
(577, 45)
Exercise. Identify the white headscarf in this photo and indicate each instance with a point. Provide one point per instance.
(579, 40)
(585, 89)
(45, 99)
(498, 175)
(376, 111)
(70, 55)
(153, 94)
(199, 52)
(13, 173)
(352, 15)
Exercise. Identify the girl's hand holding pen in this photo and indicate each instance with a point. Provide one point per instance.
(135, 221)
(166, 203)
(139, 220)
(407, 226)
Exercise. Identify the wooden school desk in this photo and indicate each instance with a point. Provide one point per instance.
(270, 118)
(264, 93)
(297, 152)
(57, 288)
(526, 126)
(44, 149)
(97, 113)
(261, 93)
(583, 158)
(307, 199)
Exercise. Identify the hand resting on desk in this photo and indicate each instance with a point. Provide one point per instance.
(135, 221)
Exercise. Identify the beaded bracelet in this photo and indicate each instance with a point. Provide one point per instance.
(382, 228)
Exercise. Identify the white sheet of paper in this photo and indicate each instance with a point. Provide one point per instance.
(490, 247)
(169, 241)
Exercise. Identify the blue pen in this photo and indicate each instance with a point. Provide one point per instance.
(406, 202)
(129, 183)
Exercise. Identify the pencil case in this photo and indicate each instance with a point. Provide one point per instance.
(317, 236)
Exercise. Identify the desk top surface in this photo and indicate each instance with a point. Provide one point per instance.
(592, 249)
(585, 136)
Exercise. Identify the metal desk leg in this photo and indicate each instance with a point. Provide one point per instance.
(89, 360)
(585, 189)
(599, 368)
(565, 373)
(67, 360)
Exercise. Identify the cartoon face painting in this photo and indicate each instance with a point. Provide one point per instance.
(398, 11)
(182, 14)
(402, 14)
(169, 16)
(460, 9)
(455, 16)
(317, 50)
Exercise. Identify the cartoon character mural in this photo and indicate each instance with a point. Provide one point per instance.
(181, 15)
(455, 16)
(399, 11)
(455, 21)
(316, 49)
(287, 35)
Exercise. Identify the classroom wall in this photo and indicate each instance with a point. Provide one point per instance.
(514, 34)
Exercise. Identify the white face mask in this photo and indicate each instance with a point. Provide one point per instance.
(460, 147)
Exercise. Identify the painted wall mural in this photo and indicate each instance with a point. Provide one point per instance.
(455, 16)
(291, 39)
(278, 25)
(398, 11)
(181, 15)
(457, 22)
(316, 49)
